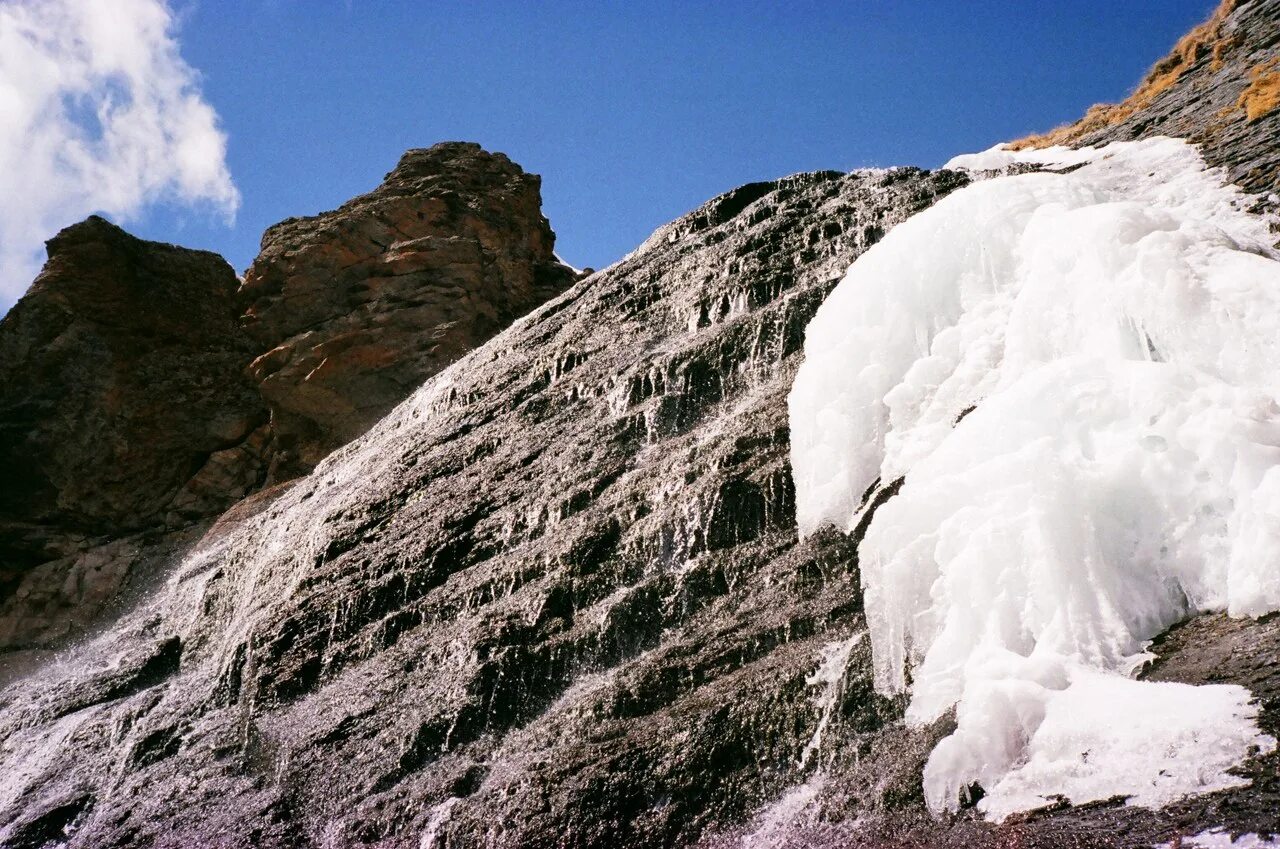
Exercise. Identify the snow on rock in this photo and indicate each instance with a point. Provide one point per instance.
(1217, 838)
(1074, 375)
(1102, 736)
(1000, 157)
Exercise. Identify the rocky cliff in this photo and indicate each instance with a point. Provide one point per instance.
(124, 411)
(354, 308)
(144, 389)
(557, 597)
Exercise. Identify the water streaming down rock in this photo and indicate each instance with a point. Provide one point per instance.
(142, 393)
(557, 599)
(520, 611)
(406, 625)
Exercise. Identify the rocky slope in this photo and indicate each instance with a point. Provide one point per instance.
(561, 586)
(143, 389)
(557, 598)
(1219, 88)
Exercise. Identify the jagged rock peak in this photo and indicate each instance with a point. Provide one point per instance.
(97, 230)
(92, 229)
(453, 161)
(145, 390)
(438, 170)
(357, 306)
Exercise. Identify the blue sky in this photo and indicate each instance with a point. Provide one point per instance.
(635, 112)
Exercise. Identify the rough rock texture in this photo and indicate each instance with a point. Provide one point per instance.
(554, 599)
(136, 383)
(561, 585)
(124, 410)
(1220, 88)
(354, 308)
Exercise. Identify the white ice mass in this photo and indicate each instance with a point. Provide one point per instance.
(1074, 372)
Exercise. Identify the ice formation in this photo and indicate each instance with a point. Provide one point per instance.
(1074, 374)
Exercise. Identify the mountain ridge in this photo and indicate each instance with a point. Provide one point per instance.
(1215, 89)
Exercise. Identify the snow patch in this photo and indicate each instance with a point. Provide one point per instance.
(1074, 374)
(1101, 736)
(1219, 838)
(560, 260)
(1000, 157)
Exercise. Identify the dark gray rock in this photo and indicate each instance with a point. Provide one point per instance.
(560, 584)
(555, 598)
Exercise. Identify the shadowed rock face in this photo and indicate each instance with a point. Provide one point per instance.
(120, 373)
(142, 394)
(123, 403)
(354, 308)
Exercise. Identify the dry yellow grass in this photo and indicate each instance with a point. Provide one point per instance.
(1205, 39)
(1263, 94)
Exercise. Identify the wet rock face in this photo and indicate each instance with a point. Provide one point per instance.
(121, 384)
(557, 598)
(353, 309)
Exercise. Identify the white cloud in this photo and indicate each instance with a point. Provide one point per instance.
(98, 113)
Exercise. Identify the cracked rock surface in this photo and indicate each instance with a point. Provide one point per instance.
(555, 598)
(352, 309)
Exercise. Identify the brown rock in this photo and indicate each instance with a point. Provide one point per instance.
(357, 307)
(121, 375)
(135, 381)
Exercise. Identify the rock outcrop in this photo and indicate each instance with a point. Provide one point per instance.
(144, 390)
(124, 408)
(557, 598)
(354, 308)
